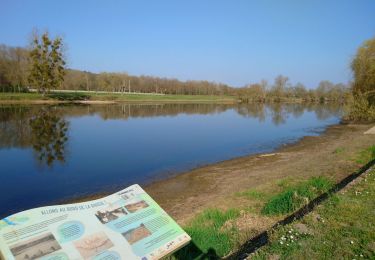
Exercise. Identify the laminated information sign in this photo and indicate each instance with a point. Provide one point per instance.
(126, 225)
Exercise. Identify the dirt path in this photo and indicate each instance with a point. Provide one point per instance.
(330, 154)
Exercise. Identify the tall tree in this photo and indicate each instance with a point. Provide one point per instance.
(278, 89)
(300, 91)
(47, 63)
(363, 66)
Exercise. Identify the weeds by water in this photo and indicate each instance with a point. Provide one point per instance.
(294, 197)
(366, 155)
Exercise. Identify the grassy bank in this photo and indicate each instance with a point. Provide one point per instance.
(341, 228)
(77, 96)
(20, 96)
(217, 233)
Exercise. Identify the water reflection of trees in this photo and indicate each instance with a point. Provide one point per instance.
(41, 128)
(44, 128)
(254, 110)
(48, 136)
(126, 111)
(279, 112)
(14, 126)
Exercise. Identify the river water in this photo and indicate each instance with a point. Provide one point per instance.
(51, 153)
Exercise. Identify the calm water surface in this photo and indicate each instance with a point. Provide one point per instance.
(52, 153)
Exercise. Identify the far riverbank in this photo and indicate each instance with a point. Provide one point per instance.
(108, 98)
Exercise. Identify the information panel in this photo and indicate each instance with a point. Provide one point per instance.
(126, 225)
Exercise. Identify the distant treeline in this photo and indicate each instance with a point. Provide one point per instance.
(15, 65)
(282, 90)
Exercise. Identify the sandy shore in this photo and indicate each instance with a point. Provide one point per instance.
(187, 194)
(371, 131)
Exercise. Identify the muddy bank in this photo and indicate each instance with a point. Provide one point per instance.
(330, 154)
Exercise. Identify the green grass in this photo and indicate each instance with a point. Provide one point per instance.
(74, 96)
(294, 197)
(141, 97)
(286, 182)
(21, 96)
(209, 233)
(251, 194)
(339, 150)
(366, 155)
(344, 229)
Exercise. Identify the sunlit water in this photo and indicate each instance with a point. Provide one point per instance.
(52, 153)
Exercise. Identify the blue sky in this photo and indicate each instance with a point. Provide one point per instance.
(234, 42)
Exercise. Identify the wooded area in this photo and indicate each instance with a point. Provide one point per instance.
(15, 66)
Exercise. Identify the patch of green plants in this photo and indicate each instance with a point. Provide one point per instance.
(20, 96)
(339, 150)
(294, 197)
(251, 194)
(366, 155)
(286, 182)
(68, 96)
(211, 234)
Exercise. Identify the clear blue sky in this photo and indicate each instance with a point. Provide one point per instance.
(234, 42)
